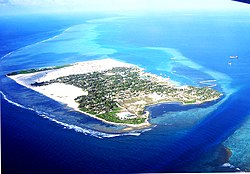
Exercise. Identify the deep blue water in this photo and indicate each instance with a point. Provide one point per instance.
(43, 136)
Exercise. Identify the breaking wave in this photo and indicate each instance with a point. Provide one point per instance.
(209, 83)
(228, 165)
(6, 55)
(14, 103)
(76, 128)
(36, 43)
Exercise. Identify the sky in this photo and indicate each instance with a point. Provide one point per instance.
(55, 6)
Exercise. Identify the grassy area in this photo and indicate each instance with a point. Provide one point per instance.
(111, 117)
(126, 88)
(190, 102)
(36, 70)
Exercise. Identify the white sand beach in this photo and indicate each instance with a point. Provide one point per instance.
(64, 93)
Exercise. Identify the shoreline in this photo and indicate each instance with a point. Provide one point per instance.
(75, 108)
(56, 91)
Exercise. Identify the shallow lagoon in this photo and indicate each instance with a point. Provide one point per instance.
(204, 128)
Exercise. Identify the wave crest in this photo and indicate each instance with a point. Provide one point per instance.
(76, 128)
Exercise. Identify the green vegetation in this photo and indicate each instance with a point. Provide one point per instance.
(122, 89)
(190, 102)
(112, 117)
(36, 70)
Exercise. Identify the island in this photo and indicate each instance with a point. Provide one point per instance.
(109, 90)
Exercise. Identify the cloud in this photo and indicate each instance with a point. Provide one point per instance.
(51, 6)
(123, 4)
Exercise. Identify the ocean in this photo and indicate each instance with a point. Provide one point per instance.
(40, 135)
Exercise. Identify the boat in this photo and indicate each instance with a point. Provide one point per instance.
(233, 57)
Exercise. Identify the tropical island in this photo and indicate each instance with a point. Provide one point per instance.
(110, 90)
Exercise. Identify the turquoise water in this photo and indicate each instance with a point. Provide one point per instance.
(189, 50)
(239, 145)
